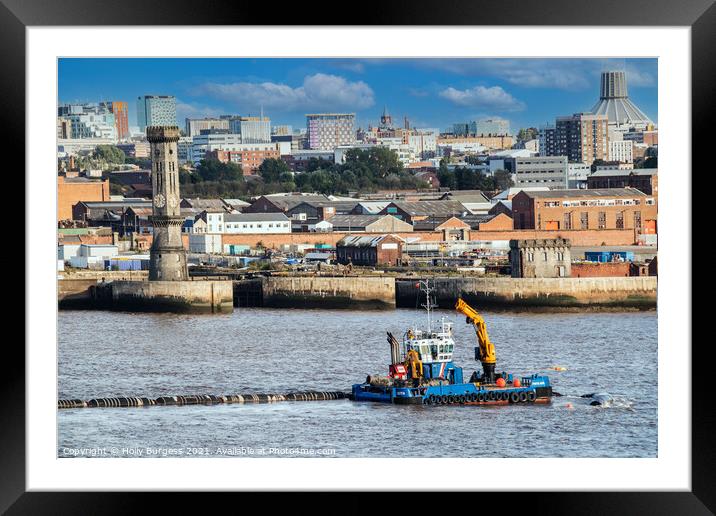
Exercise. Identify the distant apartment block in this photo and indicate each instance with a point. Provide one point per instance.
(194, 126)
(582, 137)
(326, 131)
(156, 110)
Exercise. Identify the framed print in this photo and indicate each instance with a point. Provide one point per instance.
(271, 254)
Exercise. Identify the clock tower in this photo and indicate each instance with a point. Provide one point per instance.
(167, 256)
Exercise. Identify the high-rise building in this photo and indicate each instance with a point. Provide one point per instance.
(156, 110)
(326, 131)
(548, 140)
(581, 137)
(167, 258)
(121, 121)
(194, 126)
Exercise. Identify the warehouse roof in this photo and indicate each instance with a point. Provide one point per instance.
(596, 192)
(364, 241)
(427, 208)
(626, 172)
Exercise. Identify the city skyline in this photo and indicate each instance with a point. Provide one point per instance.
(430, 92)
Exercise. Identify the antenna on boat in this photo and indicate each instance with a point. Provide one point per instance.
(425, 287)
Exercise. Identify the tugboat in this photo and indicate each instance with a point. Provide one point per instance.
(422, 370)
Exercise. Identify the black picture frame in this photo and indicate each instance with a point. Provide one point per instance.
(700, 15)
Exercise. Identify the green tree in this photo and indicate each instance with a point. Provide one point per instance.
(272, 169)
(503, 180)
(215, 170)
(110, 154)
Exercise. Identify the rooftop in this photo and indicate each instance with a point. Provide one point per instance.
(597, 192)
(626, 172)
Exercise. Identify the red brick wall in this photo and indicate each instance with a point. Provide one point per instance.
(600, 270)
(69, 194)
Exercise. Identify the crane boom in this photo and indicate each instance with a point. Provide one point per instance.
(485, 349)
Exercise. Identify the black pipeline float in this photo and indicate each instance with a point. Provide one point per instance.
(200, 399)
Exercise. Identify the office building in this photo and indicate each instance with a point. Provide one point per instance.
(194, 126)
(621, 151)
(251, 129)
(549, 171)
(156, 110)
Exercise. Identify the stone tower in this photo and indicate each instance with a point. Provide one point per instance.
(167, 256)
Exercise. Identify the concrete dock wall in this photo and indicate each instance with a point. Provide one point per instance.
(170, 296)
(340, 292)
(636, 292)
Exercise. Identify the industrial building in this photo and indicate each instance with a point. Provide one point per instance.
(613, 208)
(370, 250)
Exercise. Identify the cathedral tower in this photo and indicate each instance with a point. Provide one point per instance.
(167, 256)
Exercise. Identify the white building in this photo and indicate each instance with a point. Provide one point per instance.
(184, 149)
(252, 129)
(621, 151)
(268, 223)
(424, 142)
(577, 174)
(89, 120)
(194, 126)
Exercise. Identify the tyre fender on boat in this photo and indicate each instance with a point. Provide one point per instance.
(531, 396)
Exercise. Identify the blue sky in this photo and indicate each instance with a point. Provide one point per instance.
(430, 92)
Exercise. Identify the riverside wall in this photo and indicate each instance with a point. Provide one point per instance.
(329, 292)
(615, 292)
(147, 296)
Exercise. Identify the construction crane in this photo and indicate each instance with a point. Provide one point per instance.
(485, 352)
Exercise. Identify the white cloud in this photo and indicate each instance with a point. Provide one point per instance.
(481, 96)
(188, 110)
(318, 92)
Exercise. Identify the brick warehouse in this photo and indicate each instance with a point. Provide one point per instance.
(370, 250)
(599, 209)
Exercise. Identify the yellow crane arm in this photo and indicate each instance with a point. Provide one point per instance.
(487, 350)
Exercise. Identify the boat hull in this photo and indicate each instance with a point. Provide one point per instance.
(539, 392)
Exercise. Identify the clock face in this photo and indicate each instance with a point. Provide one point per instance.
(156, 152)
(159, 200)
(172, 202)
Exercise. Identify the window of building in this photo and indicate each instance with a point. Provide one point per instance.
(602, 220)
(530, 257)
(539, 221)
(568, 220)
(584, 220)
(620, 220)
(544, 256)
(637, 220)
